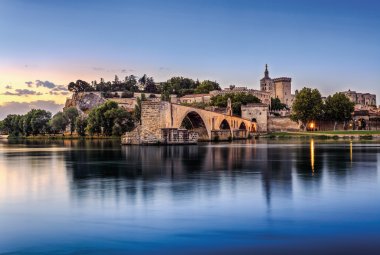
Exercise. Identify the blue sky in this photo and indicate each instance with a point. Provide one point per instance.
(331, 45)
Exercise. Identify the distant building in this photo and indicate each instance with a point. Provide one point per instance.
(262, 95)
(280, 88)
(257, 113)
(195, 98)
(366, 99)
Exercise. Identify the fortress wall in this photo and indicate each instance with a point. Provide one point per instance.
(277, 124)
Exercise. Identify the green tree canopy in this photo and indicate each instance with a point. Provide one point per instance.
(71, 114)
(276, 105)
(39, 121)
(109, 119)
(137, 111)
(237, 99)
(150, 86)
(81, 125)
(79, 86)
(12, 125)
(58, 123)
(179, 86)
(338, 108)
(307, 106)
(206, 86)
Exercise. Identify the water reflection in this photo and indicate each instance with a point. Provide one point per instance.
(351, 152)
(312, 155)
(210, 195)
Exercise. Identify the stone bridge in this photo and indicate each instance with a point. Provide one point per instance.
(159, 115)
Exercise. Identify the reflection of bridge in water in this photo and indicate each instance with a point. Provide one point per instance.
(157, 116)
(270, 171)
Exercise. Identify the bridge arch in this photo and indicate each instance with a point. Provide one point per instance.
(224, 125)
(242, 126)
(194, 121)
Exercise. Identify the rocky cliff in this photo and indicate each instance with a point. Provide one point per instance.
(85, 101)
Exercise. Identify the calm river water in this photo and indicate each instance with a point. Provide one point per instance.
(262, 197)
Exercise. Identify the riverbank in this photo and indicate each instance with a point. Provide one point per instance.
(63, 137)
(351, 134)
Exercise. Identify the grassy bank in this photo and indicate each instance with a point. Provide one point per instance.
(357, 134)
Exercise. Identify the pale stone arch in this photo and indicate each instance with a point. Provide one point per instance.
(194, 120)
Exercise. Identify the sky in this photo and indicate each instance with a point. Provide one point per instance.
(44, 44)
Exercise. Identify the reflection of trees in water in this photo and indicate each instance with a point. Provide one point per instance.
(104, 168)
(132, 169)
(275, 165)
(338, 161)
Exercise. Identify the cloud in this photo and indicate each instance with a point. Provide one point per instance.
(46, 84)
(55, 93)
(162, 68)
(59, 88)
(29, 83)
(23, 92)
(8, 87)
(22, 108)
(127, 70)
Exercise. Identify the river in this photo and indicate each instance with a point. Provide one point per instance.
(260, 196)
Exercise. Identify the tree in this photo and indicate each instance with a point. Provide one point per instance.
(59, 122)
(137, 111)
(81, 125)
(206, 86)
(121, 119)
(130, 83)
(93, 123)
(2, 130)
(338, 108)
(71, 114)
(105, 117)
(237, 100)
(179, 86)
(307, 106)
(150, 86)
(39, 121)
(142, 80)
(26, 125)
(126, 94)
(79, 86)
(12, 125)
(276, 105)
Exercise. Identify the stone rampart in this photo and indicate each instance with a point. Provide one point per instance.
(282, 124)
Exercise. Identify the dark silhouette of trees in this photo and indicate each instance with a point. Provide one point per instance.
(80, 86)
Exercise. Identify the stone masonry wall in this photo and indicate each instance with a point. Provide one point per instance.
(155, 115)
(277, 124)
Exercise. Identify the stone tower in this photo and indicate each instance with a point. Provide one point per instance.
(229, 107)
(283, 88)
(266, 83)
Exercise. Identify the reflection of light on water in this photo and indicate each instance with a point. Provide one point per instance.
(312, 154)
(351, 151)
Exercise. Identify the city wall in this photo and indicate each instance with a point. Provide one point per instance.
(282, 124)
